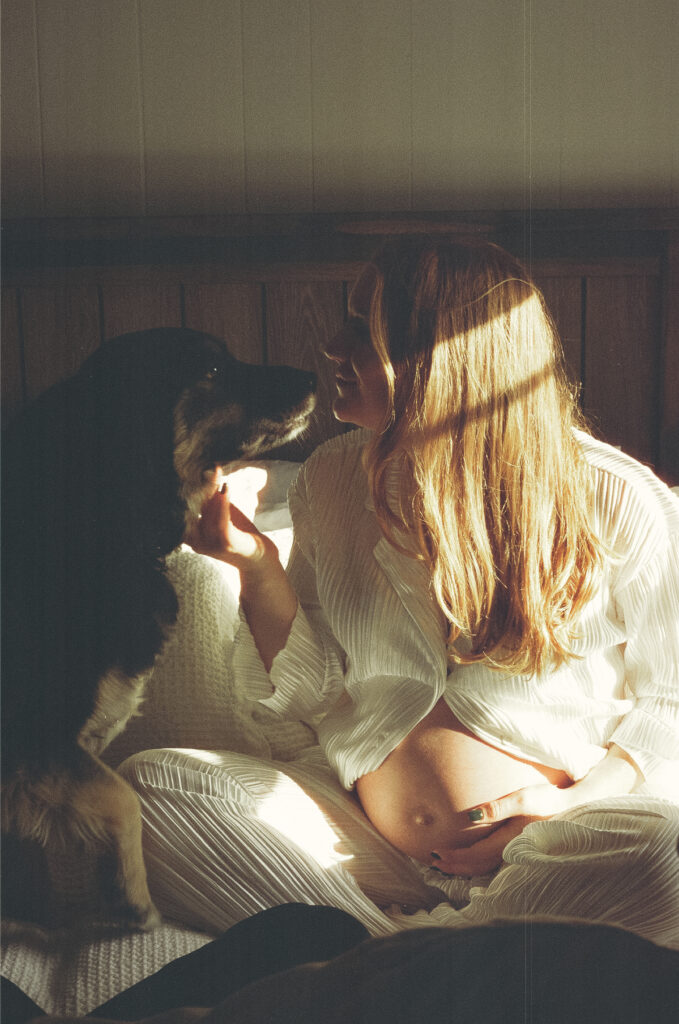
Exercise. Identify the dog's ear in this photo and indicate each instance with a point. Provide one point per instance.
(132, 387)
(124, 400)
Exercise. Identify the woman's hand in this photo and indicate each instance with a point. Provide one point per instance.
(267, 599)
(225, 533)
(511, 814)
(615, 775)
(533, 803)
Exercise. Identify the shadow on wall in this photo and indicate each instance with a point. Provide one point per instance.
(114, 185)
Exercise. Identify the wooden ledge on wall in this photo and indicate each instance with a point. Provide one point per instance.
(35, 243)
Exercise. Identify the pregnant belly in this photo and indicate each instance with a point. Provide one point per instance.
(419, 796)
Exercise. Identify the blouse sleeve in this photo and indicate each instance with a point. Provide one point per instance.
(649, 604)
(307, 675)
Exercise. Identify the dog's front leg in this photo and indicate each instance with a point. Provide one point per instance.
(111, 808)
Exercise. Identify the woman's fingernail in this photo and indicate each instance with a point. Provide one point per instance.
(222, 489)
(476, 814)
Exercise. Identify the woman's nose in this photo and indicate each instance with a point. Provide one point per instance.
(339, 347)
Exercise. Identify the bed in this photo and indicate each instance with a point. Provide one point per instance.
(277, 288)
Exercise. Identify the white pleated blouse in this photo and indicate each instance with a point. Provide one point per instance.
(368, 644)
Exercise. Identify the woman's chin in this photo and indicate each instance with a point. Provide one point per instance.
(346, 411)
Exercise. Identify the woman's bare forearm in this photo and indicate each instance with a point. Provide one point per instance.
(267, 598)
(269, 604)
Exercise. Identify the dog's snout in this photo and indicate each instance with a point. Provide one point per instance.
(281, 389)
(287, 380)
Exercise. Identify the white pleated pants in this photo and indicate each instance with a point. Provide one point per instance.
(227, 835)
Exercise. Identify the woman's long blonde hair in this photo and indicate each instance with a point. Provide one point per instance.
(480, 429)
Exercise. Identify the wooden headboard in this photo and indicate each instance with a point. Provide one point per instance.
(275, 288)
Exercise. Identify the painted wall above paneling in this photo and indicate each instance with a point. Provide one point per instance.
(162, 107)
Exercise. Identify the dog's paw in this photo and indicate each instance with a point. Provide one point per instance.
(144, 919)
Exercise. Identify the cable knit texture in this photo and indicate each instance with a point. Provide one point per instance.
(191, 699)
(71, 972)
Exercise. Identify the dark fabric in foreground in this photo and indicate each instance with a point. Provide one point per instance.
(271, 941)
(500, 974)
(531, 973)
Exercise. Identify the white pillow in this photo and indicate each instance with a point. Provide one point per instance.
(191, 699)
(272, 513)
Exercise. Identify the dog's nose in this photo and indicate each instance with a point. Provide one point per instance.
(287, 383)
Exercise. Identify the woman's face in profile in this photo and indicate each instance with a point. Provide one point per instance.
(362, 394)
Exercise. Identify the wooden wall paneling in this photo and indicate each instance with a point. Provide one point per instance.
(140, 307)
(61, 327)
(92, 145)
(361, 92)
(277, 106)
(622, 348)
(192, 74)
(668, 458)
(563, 296)
(232, 311)
(300, 319)
(12, 376)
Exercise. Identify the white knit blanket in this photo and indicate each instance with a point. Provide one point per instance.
(72, 972)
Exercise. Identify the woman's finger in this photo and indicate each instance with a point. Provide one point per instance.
(531, 802)
(482, 857)
(216, 514)
(241, 521)
(224, 532)
(209, 530)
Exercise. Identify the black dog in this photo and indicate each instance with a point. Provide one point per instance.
(100, 475)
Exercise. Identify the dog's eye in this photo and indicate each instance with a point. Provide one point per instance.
(212, 373)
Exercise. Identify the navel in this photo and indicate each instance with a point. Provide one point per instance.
(423, 818)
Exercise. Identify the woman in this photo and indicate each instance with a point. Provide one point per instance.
(482, 599)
